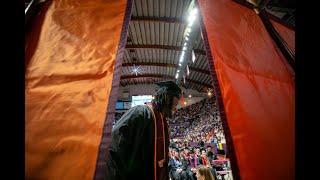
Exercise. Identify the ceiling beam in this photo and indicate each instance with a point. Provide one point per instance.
(150, 46)
(147, 76)
(192, 85)
(165, 77)
(149, 64)
(199, 70)
(159, 19)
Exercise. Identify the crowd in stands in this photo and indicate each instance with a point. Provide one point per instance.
(197, 122)
(196, 139)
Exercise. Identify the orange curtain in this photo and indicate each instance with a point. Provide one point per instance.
(257, 90)
(68, 81)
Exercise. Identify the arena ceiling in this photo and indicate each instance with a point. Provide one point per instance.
(156, 37)
(155, 41)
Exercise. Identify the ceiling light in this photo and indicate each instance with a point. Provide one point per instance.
(179, 64)
(136, 70)
(190, 96)
(209, 93)
(187, 38)
(184, 48)
(188, 30)
(182, 54)
(188, 72)
(192, 16)
(177, 75)
(193, 56)
(194, 12)
(181, 59)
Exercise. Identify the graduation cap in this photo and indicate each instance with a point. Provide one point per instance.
(221, 152)
(171, 87)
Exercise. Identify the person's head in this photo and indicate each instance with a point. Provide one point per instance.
(202, 143)
(167, 97)
(191, 152)
(221, 154)
(209, 148)
(181, 154)
(204, 173)
(171, 153)
(175, 152)
(197, 151)
(186, 150)
(203, 152)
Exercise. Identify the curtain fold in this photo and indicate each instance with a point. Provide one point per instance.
(68, 82)
(257, 90)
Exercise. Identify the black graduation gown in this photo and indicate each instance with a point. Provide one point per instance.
(131, 151)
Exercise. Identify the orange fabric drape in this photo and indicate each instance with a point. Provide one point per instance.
(287, 34)
(68, 81)
(257, 90)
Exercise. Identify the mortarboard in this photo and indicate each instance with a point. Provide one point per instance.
(171, 87)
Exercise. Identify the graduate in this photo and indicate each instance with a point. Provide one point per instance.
(139, 144)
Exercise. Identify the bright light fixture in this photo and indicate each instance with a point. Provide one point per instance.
(188, 30)
(188, 72)
(136, 70)
(192, 16)
(184, 48)
(177, 75)
(190, 96)
(193, 56)
(181, 57)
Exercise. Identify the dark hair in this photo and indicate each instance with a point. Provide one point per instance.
(201, 143)
(221, 152)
